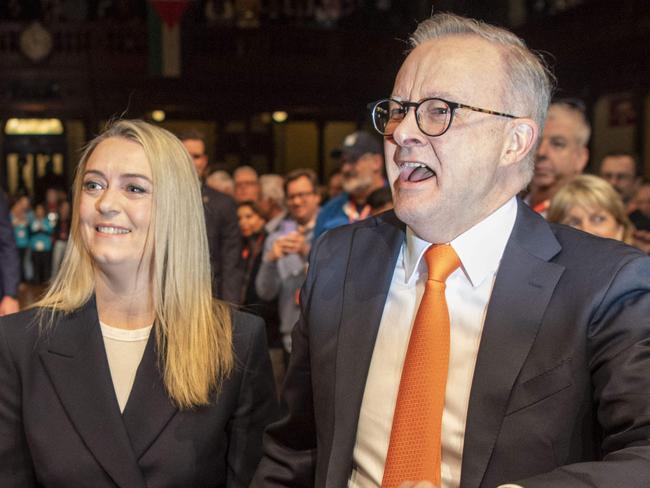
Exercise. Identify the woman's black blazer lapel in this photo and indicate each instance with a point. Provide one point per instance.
(75, 360)
(149, 408)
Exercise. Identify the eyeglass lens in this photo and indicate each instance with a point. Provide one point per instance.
(433, 116)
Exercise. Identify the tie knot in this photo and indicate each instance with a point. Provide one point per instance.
(441, 260)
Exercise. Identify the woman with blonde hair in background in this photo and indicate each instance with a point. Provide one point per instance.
(591, 204)
(128, 373)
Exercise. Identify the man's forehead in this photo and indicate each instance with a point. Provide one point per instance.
(562, 124)
(194, 145)
(562, 117)
(300, 183)
(448, 67)
(618, 162)
(245, 175)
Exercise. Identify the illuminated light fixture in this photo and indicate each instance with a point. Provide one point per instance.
(158, 115)
(280, 117)
(46, 127)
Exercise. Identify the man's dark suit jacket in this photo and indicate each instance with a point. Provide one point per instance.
(224, 240)
(60, 424)
(562, 379)
(9, 262)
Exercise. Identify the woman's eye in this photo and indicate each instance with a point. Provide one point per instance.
(598, 218)
(135, 189)
(91, 186)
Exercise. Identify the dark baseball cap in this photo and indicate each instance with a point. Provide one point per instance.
(356, 145)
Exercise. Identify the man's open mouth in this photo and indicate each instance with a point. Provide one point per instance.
(415, 172)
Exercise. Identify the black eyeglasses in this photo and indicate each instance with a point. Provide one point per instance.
(433, 115)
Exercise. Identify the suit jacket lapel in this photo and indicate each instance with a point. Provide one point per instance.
(149, 408)
(523, 287)
(373, 254)
(75, 360)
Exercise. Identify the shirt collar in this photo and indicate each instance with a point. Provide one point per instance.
(479, 248)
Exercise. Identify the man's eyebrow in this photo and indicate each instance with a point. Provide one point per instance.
(443, 95)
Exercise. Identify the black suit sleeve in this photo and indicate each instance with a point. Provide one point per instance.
(232, 277)
(290, 444)
(224, 240)
(619, 351)
(9, 261)
(256, 406)
(15, 461)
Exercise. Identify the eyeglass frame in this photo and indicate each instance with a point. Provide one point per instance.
(300, 195)
(453, 106)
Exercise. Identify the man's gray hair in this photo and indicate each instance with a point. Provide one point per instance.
(245, 169)
(529, 83)
(272, 187)
(582, 128)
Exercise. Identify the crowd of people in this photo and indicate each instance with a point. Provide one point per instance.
(41, 234)
(462, 334)
(608, 203)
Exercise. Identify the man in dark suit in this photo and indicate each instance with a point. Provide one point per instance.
(548, 328)
(9, 262)
(224, 237)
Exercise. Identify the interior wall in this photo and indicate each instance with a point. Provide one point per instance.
(333, 135)
(612, 130)
(296, 146)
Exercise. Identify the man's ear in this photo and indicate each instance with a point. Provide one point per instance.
(582, 159)
(521, 135)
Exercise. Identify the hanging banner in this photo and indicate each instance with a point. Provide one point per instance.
(164, 19)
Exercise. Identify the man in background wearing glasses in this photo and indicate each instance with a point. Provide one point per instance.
(284, 259)
(533, 339)
(623, 172)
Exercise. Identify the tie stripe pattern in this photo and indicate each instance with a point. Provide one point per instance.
(414, 450)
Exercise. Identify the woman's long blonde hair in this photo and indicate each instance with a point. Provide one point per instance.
(193, 331)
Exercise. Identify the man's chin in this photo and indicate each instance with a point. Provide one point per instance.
(356, 186)
(542, 181)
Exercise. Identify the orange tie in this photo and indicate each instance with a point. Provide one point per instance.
(414, 450)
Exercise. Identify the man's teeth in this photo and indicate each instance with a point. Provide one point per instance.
(415, 171)
(112, 230)
(410, 164)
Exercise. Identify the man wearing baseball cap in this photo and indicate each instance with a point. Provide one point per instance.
(361, 158)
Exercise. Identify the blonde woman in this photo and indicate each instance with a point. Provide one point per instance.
(591, 204)
(127, 373)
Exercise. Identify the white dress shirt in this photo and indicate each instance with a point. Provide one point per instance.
(467, 292)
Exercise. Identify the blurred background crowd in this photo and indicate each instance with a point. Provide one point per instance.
(270, 99)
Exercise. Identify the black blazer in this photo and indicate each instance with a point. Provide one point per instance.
(561, 390)
(224, 241)
(60, 424)
(9, 261)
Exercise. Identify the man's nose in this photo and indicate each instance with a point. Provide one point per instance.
(407, 132)
(542, 151)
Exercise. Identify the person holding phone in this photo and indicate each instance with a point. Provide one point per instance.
(284, 261)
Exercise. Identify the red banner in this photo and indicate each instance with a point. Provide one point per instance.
(170, 11)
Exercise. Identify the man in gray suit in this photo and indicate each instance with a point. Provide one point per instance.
(548, 380)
